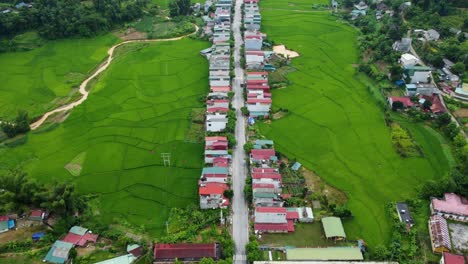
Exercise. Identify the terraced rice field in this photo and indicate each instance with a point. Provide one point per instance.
(40, 79)
(335, 126)
(139, 108)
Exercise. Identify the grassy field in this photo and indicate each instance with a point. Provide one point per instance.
(336, 127)
(139, 108)
(40, 79)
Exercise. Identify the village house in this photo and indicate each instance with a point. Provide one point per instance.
(452, 206)
(212, 195)
(405, 100)
(267, 178)
(220, 62)
(186, 252)
(226, 4)
(259, 106)
(437, 106)
(216, 122)
(134, 251)
(263, 156)
(214, 174)
(361, 6)
(253, 40)
(221, 162)
(221, 49)
(305, 214)
(253, 76)
(273, 220)
(461, 92)
(219, 76)
(449, 258)
(421, 88)
(324, 254)
(403, 46)
(265, 188)
(254, 60)
(80, 236)
(37, 215)
(59, 252)
(407, 59)
(438, 231)
(333, 228)
(217, 95)
(263, 143)
(267, 200)
(417, 74)
(217, 106)
(216, 143)
(252, 17)
(6, 223)
(222, 15)
(431, 35)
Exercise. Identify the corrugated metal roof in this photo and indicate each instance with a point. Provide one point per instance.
(125, 259)
(333, 227)
(330, 253)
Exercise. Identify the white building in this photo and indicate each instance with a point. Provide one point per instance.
(216, 122)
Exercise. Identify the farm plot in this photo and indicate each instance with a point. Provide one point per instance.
(42, 78)
(139, 108)
(335, 126)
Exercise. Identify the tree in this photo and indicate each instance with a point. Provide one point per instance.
(397, 105)
(19, 126)
(180, 8)
(458, 68)
(253, 251)
(381, 252)
(228, 194)
(207, 261)
(427, 105)
(248, 147)
(443, 119)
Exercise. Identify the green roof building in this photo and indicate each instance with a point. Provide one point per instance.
(333, 228)
(329, 253)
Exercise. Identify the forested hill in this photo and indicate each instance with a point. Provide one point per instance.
(65, 18)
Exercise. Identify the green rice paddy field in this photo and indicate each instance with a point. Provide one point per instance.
(139, 108)
(37, 80)
(335, 126)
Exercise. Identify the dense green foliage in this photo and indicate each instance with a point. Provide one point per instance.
(19, 126)
(180, 8)
(402, 141)
(20, 193)
(43, 78)
(132, 115)
(59, 19)
(335, 126)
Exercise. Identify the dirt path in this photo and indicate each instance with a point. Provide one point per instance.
(101, 68)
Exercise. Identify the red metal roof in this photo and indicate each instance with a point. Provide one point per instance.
(405, 100)
(220, 88)
(210, 188)
(171, 251)
(215, 138)
(276, 176)
(72, 238)
(272, 227)
(254, 52)
(256, 81)
(259, 100)
(270, 210)
(262, 154)
(450, 258)
(4, 218)
(290, 226)
(292, 215)
(257, 73)
(437, 106)
(256, 86)
(218, 109)
(211, 102)
(263, 185)
(36, 213)
(254, 37)
(451, 203)
(263, 170)
(88, 237)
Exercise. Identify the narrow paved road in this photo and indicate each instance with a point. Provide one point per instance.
(240, 219)
(84, 93)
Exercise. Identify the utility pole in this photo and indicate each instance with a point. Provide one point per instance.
(166, 159)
